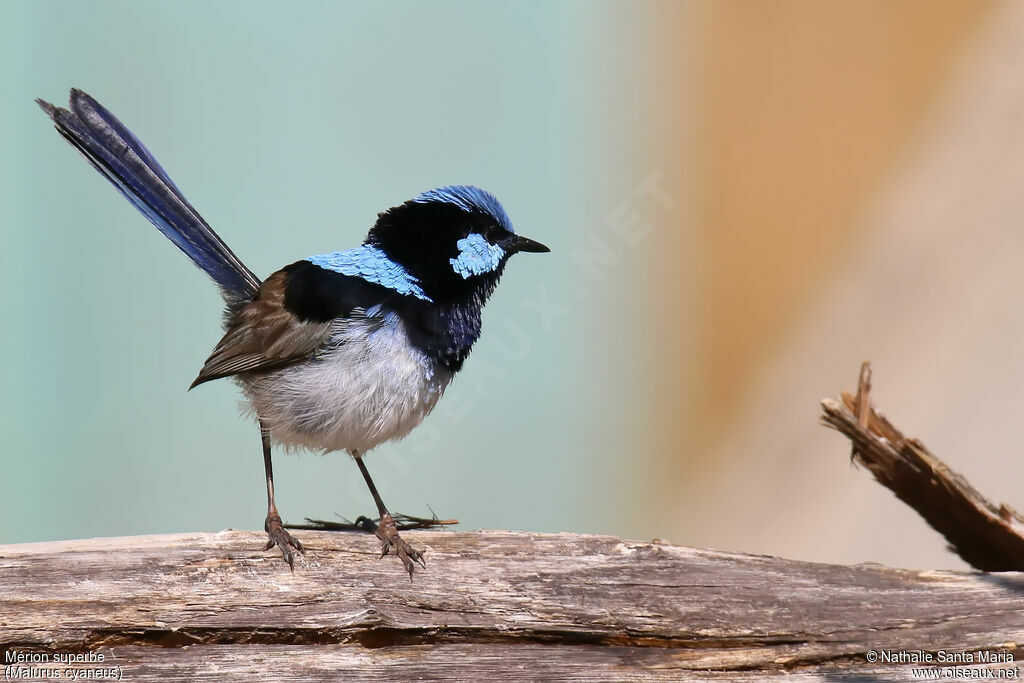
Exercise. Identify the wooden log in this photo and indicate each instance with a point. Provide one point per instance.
(490, 605)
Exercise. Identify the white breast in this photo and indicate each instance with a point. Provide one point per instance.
(369, 386)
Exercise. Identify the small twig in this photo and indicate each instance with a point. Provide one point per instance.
(988, 537)
(369, 525)
(862, 405)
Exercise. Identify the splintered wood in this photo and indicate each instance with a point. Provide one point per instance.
(987, 536)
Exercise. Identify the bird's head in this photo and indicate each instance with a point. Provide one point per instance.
(453, 240)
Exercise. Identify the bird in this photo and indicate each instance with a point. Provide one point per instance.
(340, 351)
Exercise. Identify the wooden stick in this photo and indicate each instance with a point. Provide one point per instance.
(986, 536)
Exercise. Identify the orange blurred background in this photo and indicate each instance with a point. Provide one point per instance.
(816, 142)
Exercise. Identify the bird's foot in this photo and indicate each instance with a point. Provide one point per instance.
(387, 532)
(276, 535)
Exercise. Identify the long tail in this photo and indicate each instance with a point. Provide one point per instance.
(115, 152)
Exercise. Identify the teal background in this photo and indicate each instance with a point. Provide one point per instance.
(289, 128)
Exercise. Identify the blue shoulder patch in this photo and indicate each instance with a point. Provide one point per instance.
(476, 256)
(468, 198)
(371, 264)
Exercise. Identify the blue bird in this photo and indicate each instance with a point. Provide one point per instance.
(340, 351)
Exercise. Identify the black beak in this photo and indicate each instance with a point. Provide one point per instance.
(520, 243)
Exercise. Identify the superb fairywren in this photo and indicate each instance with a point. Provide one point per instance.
(341, 351)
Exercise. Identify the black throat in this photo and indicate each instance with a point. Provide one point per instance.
(446, 330)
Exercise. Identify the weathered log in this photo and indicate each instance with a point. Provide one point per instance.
(490, 606)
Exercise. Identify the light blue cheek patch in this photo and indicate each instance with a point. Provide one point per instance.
(476, 256)
(372, 265)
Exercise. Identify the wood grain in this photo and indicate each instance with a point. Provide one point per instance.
(504, 605)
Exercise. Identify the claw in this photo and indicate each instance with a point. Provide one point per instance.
(387, 532)
(276, 535)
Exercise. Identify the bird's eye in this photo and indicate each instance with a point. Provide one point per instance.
(493, 233)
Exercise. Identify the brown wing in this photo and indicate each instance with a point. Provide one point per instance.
(263, 335)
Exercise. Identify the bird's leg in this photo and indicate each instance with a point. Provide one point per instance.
(276, 535)
(386, 531)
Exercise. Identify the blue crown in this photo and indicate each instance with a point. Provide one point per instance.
(470, 199)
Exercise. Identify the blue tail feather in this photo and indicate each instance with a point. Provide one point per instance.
(115, 152)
